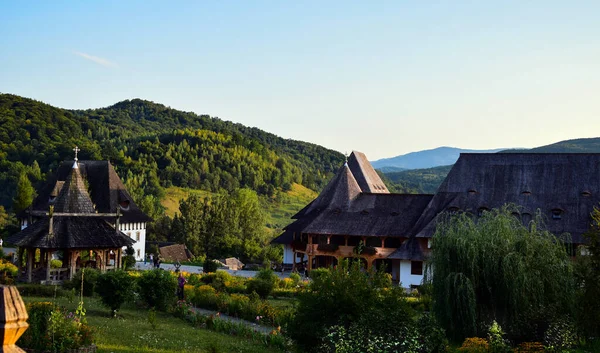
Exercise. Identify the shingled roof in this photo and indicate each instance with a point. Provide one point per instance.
(73, 196)
(564, 187)
(368, 215)
(106, 190)
(346, 206)
(366, 176)
(71, 227)
(70, 232)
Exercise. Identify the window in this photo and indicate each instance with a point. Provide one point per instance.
(416, 267)
(526, 193)
(129, 234)
(472, 191)
(586, 193)
(557, 213)
(138, 253)
(137, 236)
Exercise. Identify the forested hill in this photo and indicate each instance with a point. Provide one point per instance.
(154, 147)
(584, 145)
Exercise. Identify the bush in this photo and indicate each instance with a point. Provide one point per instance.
(205, 297)
(432, 335)
(210, 266)
(560, 336)
(90, 276)
(8, 272)
(53, 329)
(129, 258)
(347, 298)
(295, 277)
(474, 345)
(261, 287)
(55, 263)
(263, 283)
(41, 290)
(114, 288)
(157, 289)
(318, 273)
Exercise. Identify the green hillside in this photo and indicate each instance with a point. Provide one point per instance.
(585, 145)
(158, 146)
(417, 181)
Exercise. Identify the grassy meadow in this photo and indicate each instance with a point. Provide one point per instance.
(132, 331)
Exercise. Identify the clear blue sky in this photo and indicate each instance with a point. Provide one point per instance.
(385, 78)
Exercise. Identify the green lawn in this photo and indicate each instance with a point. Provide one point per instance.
(132, 332)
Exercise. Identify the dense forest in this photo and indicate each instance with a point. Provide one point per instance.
(155, 149)
(159, 145)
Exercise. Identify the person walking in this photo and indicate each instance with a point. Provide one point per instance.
(181, 281)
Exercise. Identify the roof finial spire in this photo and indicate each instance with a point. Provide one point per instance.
(346, 161)
(76, 149)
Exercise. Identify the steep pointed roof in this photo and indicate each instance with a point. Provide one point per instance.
(338, 194)
(73, 196)
(366, 176)
(106, 190)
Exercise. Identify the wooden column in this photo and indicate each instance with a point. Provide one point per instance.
(30, 259)
(310, 258)
(329, 239)
(73, 263)
(345, 240)
(293, 260)
(20, 260)
(13, 319)
(369, 262)
(48, 258)
(118, 259)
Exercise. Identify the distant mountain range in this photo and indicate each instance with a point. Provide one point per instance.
(427, 180)
(425, 159)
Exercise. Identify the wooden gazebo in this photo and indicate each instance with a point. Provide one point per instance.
(72, 228)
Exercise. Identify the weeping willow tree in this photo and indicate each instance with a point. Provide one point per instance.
(496, 268)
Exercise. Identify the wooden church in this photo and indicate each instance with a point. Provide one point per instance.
(79, 217)
(356, 216)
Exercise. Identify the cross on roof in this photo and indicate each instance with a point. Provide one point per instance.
(76, 149)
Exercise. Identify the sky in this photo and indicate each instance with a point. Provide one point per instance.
(381, 77)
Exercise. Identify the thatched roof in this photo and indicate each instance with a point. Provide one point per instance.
(106, 190)
(568, 184)
(71, 233)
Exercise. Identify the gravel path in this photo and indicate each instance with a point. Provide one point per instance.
(198, 269)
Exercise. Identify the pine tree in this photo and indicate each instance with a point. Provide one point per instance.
(25, 194)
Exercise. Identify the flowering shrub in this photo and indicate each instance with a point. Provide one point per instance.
(475, 345)
(8, 272)
(53, 329)
(205, 297)
(528, 347)
(216, 323)
(560, 336)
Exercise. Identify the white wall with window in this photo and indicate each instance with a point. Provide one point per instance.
(411, 273)
(137, 232)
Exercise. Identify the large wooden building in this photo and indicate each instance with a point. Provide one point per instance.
(396, 229)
